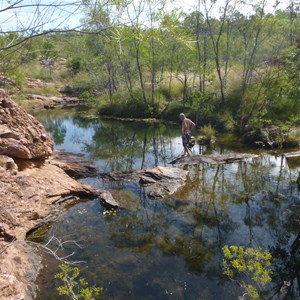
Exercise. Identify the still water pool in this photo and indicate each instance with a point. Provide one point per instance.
(172, 248)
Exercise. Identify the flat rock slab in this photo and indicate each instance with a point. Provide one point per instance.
(292, 154)
(75, 165)
(158, 181)
(214, 159)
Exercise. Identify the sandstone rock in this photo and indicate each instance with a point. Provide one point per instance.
(30, 197)
(158, 182)
(18, 261)
(270, 137)
(213, 159)
(75, 165)
(21, 135)
(7, 165)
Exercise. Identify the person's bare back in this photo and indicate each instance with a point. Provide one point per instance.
(187, 126)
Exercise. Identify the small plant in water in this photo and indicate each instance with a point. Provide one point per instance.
(73, 287)
(249, 268)
(207, 134)
(110, 212)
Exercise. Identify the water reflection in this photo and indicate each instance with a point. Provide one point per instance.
(171, 248)
(114, 145)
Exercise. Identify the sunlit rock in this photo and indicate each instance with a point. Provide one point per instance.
(21, 135)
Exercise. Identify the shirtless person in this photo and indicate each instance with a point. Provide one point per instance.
(186, 127)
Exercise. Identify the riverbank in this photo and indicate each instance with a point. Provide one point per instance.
(35, 195)
(34, 188)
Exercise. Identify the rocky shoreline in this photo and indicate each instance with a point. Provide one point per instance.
(34, 187)
(29, 198)
(38, 184)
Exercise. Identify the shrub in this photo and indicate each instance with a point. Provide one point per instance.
(173, 109)
(208, 133)
(73, 287)
(75, 64)
(119, 106)
(249, 267)
(173, 91)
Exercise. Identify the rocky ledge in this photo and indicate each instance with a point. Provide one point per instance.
(35, 195)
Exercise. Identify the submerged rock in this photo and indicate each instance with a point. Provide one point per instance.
(75, 165)
(213, 159)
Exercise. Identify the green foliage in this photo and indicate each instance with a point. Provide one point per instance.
(173, 109)
(73, 287)
(75, 64)
(124, 106)
(83, 84)
(249, 267)
(171, 91)
(49, 51)
(203, 103)
(86, 95)
(208, 133)
(158, 67)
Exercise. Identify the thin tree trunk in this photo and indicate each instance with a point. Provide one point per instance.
(137, 56)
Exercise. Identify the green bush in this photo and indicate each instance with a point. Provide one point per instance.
(75, 64)
(251, 268)
(283, 108)
(125, 108)
(74, 287)
(208, 133)
(173, 91)
(233, 101)
(173, 109)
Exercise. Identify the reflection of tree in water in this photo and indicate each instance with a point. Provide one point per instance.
(253, 203)
(122, 144)
(178, 228)
(269, 198)
(211, 216)
(57, 130)
(286, 253)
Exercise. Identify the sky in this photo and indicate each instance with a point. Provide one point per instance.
(36, 14)
(41, 14)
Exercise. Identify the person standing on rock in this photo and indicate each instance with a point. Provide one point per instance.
(187, 126)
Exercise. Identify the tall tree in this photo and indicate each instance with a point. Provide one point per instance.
(215, 36)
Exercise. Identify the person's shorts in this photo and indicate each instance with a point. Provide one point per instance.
(186, 139)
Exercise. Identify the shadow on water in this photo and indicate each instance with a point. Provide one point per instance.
(172, 248)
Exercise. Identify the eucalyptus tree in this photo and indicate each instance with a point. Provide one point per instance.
(180, 55)
(260, 44)
(196, 25)
(154, 38)
(215, 34)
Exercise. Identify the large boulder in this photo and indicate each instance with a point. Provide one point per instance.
(21, 135)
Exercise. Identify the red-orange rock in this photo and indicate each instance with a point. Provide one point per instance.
(21, 135)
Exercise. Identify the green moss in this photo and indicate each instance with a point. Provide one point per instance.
(38, 235)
